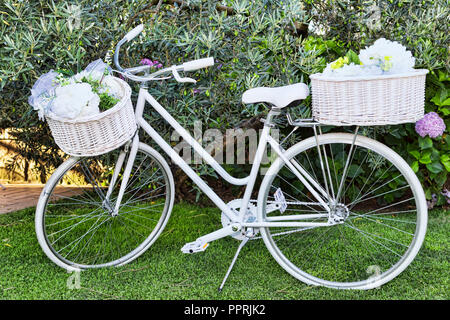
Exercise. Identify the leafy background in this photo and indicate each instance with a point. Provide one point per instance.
(254, 43)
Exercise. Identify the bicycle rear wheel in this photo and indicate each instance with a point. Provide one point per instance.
(74, 221)
(381, 210)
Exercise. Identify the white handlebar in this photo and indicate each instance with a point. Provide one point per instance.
(187, 66)
(198, 64)
(133, 33)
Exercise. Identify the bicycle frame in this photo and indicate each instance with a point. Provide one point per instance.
(316, 190)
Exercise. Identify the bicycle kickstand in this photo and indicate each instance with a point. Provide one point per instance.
(241, 245)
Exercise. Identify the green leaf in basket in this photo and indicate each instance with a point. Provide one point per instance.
(353, 57)
(107, 101)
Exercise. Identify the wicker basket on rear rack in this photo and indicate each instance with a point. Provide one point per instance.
(368, 101)
(99, 133)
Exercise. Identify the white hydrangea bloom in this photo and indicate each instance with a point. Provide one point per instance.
(347, 70)
(398, 58)
(111, 87)
(91, 75)
(383, 57)
(91, 108)
(75, 100)
(372, 70)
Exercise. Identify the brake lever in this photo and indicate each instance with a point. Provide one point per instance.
(177, 76)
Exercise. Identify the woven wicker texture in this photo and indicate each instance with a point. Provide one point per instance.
(99, 133)
(376, 100)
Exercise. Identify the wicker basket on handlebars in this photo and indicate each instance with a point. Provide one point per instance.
(368, 101)
(99, 133)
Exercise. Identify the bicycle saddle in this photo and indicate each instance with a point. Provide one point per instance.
(279, 97)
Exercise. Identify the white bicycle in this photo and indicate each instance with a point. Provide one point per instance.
(338, 210)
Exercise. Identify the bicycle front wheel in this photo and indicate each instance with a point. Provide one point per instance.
(378, 213)
(75, 224)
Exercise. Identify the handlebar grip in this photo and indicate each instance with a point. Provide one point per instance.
(198, 64)
(133, 33)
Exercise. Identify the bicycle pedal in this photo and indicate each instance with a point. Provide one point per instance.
(194, 247)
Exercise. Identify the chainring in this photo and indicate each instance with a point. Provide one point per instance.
(235, 205)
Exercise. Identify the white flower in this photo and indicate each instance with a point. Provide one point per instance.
(75, 100)
(383, 57)
(390, 56)
(372, 70)
(347, 70)
(92, 107)
(90, 75)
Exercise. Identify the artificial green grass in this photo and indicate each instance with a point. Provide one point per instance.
(164, 272)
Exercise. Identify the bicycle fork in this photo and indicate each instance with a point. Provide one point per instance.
(126, 175)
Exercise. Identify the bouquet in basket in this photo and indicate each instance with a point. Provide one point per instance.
(89, 113)
(85, 94)
(384, 57)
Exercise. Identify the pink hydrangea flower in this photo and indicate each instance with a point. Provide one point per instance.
(431, 124)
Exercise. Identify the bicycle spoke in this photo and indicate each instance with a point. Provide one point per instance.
(345, 172)
(373, 240)
(370, 191)
(384, 224)
(80, 238)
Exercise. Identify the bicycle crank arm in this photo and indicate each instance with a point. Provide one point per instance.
(202, 243)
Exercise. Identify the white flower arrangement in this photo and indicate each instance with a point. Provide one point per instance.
(84, 94)
(382, 58)
(390, 56)
(75, 100)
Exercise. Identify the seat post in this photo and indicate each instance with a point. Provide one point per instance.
(273, 111)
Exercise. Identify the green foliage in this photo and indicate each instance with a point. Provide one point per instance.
(106, 101)
(353, 57)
